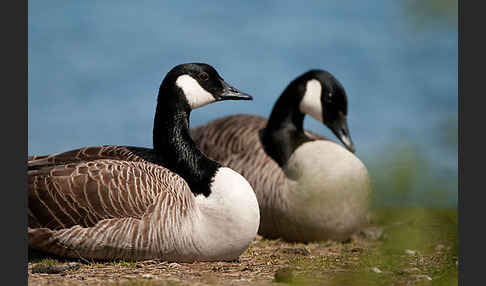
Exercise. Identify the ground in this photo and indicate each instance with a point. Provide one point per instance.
(398, 247)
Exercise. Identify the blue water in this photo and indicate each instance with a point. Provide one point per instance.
(95, 68)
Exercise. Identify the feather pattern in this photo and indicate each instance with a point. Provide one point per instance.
(79, 199)
(235, 141)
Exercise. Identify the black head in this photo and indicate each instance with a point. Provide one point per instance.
(200, 84)
(186, 87)
(324, 98)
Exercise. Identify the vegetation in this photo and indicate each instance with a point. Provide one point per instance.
(401, 246)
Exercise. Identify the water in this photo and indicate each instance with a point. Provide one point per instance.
(94, 69)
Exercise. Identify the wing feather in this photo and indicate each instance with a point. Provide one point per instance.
(100, 209)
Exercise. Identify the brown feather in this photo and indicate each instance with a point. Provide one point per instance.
(105, 202)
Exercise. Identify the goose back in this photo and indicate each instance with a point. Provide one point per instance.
(285, 211)
(234, 141)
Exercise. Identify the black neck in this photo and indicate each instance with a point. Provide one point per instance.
(173, 145)
(285, 128)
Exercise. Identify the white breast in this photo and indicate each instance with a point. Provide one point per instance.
(229, 216)
(333, 189)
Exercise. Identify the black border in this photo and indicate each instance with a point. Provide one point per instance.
(14, 144)
(471, 85)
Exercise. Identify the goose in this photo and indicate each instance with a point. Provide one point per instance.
(123, 202)
(308, 187)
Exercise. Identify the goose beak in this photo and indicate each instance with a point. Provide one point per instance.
(231, 93)
(340, 129)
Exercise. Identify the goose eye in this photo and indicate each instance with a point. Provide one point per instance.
(328, 97)
(203, 76)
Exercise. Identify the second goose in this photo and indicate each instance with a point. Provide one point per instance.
(308, 187)
(170, 202)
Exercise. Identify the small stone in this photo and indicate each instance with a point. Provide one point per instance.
(376, 270)
(410, 252)
(284, 275)
(148, 276)
(420, 276)
(439, 247)
(372, 232)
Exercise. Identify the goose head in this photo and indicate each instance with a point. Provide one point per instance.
(323, 97)
(196, 85)
(184, 88)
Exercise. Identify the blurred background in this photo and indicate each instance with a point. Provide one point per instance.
(95, 69)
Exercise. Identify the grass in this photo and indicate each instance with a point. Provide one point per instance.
(416, 244)
(47, 262)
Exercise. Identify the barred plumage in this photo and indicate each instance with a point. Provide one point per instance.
(283, 193)
(79, 198)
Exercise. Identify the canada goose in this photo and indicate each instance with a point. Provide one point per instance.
(308, 187)
(170, 202)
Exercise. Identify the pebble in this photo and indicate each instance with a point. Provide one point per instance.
(376, 270)
(148, 276)
(373, 233)
(420, 276)
(410, 252)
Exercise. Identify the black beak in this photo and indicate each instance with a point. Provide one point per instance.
(340, 128)
(232, 93)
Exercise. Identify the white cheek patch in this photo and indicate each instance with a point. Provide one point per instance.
(195, 94)
(311, 102)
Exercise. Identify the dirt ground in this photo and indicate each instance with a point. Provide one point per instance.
(366, 259)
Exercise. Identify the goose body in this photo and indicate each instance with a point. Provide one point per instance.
(122, 202)
(308, 187)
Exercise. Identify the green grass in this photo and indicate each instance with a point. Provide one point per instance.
(429, 235)
(47, 262)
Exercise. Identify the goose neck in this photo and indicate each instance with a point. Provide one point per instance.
(175, 149)
(284, 131)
